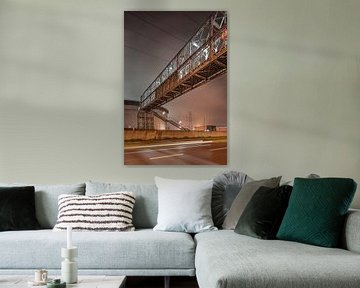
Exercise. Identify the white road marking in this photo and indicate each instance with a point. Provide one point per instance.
(168, 144)
(168, 156)
(215, 149)
(166, 149)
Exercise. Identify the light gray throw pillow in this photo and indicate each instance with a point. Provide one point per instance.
(184, 205)
(243, 198)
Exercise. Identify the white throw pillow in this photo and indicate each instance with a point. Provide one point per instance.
(184, 205)
(104, 212)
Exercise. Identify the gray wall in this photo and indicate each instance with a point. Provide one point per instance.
(294, 89)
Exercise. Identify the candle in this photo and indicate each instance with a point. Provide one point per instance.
(69, 237)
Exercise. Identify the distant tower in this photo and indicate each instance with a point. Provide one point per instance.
(189, 121)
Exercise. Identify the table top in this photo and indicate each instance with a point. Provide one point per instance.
(84, 281)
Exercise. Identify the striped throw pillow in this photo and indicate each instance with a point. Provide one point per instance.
(105, 212)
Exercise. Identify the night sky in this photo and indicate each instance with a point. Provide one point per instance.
(152, 39)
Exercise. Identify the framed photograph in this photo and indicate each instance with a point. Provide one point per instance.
(175, 94)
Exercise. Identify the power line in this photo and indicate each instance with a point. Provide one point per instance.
(157, 27)
(145, 52)
(146, 36)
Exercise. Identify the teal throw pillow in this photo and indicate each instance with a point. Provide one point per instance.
(316, 211)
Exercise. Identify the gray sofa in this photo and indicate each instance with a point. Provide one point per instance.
(226, 259)
(142, 252)
(219, 259)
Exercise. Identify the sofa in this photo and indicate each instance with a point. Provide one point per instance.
(218, 259)
(226, 259)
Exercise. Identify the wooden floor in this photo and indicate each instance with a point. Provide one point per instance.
(158, 282)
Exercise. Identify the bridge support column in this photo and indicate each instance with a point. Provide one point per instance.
(145, 120)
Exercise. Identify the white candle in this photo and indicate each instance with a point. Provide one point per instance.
(69, 237)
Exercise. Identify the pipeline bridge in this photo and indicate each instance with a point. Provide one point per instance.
(201, 59)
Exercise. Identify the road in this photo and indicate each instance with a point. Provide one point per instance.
(177, 153)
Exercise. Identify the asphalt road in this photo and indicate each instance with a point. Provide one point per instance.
(177, 153)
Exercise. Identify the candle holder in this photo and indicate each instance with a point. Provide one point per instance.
(69, 271)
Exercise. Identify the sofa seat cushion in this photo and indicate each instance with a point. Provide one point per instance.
(225, 259)
(142, 249)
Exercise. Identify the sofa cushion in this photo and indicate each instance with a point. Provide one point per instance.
(146, 205)
(263, 215)
(243, 198)
(226, 187)
(350, 239)
(225, 259)
(137, 250)
(46, 200)
(184, 205)
(105, 212)
(17, 208)
(317, 209)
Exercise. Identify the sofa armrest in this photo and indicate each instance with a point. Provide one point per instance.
(351, 234)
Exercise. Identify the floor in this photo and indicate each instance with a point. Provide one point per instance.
(158, 282)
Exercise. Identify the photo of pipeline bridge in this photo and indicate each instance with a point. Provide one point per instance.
(181, 117)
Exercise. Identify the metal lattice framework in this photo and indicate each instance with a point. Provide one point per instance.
(164, 117)
(203, 58)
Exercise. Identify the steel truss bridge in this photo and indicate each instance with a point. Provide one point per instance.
(203, 58)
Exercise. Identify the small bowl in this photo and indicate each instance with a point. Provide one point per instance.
(56, 283)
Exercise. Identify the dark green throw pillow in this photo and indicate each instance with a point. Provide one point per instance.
(17, 208)
(316, 211)
(263, 214)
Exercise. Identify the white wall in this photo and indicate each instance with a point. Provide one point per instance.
(294, 89)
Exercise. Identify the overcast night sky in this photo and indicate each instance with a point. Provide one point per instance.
(152, 39)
